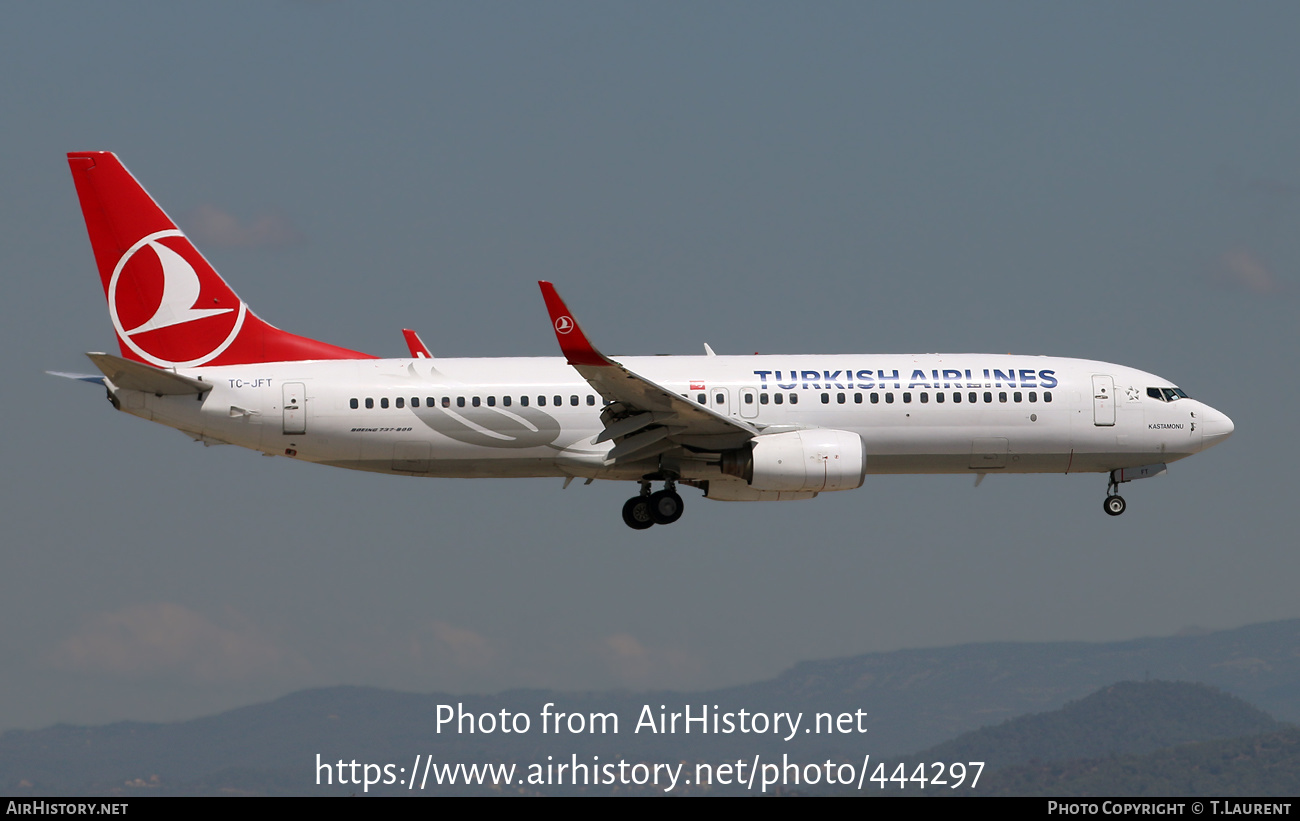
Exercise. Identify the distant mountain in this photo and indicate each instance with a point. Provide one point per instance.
(1254, 766)
(1122, 719)
(921, 697)
(914, 699)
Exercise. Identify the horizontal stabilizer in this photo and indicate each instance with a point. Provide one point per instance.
(137, 376)
(80, 377)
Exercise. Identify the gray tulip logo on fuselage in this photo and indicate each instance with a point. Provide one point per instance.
(496, 427)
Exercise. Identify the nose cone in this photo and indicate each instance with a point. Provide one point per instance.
(1215, 428)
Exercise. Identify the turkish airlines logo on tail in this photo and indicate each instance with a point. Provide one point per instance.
(164, 311)
(180, 293)
(563, 325)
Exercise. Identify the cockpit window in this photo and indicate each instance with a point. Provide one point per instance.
(1167, 394)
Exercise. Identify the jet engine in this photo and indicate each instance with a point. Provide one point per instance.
(800, 460)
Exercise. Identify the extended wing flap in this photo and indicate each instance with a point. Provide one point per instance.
(138, 376)
(630, 393)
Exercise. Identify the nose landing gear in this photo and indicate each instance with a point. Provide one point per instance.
(1114, 504)
(647, 509)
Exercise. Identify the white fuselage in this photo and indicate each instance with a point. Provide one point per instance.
(514, 417)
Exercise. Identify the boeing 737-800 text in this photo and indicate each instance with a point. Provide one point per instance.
(193, 356)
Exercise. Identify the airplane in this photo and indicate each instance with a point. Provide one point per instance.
(194, 356)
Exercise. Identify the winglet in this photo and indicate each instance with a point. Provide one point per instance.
(573, 342)
(416, 345)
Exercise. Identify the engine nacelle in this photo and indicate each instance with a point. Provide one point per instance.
(800, 460)
(734, 490)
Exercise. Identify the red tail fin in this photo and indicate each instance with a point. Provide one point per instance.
(169, 306)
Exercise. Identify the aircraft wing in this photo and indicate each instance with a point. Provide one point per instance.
(644, 416)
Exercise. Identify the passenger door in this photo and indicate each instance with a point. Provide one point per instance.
(1103, 400)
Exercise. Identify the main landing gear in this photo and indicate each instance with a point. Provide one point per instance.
(646, 509)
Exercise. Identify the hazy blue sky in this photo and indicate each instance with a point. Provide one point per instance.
(1106, 180)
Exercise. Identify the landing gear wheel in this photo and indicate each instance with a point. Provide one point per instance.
(636, 513)
(1115, 505)
(665, 507)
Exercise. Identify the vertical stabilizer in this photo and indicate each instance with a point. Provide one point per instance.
(169, 306)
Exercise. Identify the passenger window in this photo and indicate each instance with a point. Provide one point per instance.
(492, 401)
(826, 398)
(988, 397)
(446, 401)
(460, 401)
(557, 400)
(415, 401)
(1047, 396)
(973, 397)
(476, 401)
(573, 400)
(541, 401)
(956, 397)
(938, 397)
(505, 401)
(401, 401)
(925, 398)
(523, 400)
(794, 399)
(875, 399)
(762, 399)
(778, 398)
(370, 403)
(889, 398)
(428, 401)
(749, 398)
(701, 398)
(352, 403)
(857, 399)
(839, 397)
(1002, 396)
(907, 397)
(383, 402)
(591, 400)
(1018, 396)
(719, 399)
